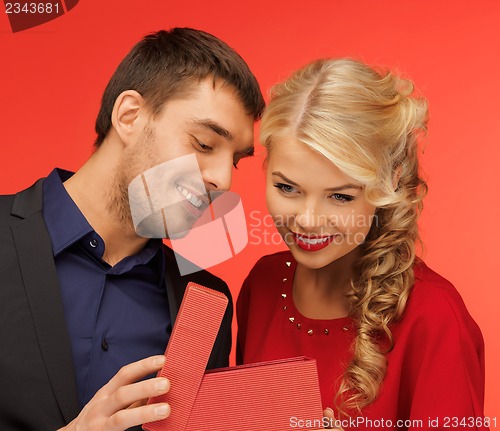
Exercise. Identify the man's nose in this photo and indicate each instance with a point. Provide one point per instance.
(218, 176)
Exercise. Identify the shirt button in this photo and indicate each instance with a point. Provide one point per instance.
(104, 345)
(93, 243)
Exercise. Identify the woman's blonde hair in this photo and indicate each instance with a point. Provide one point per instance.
(369, 125)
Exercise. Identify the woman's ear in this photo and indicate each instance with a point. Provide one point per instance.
(128, 116)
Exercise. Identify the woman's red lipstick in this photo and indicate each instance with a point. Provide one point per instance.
(312, 242)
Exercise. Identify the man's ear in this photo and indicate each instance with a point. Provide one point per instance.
(129, 116)
(396, 176)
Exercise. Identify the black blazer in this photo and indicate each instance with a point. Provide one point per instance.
(37, 379)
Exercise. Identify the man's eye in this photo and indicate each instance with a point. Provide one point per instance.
(204, 147)
(200, 146)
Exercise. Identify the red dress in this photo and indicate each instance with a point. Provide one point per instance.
(435, 374)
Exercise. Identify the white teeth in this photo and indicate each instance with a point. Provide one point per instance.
(313, 241)
(193, 200)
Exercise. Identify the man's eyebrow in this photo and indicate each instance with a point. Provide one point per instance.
(215, 127)
(249, 152)
(331, 189)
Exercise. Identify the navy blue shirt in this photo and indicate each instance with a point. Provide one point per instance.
(115, 314)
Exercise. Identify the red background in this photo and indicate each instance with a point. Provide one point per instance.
(52, 78)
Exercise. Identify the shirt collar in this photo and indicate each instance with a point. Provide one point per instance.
(67, 225)
(65, 222)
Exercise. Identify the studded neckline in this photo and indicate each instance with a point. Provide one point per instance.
(299, 322)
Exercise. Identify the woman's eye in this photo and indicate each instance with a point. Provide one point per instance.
(285, 188)
(342, 198)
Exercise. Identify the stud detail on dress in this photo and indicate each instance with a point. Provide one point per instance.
(309, 332)
(345, 328)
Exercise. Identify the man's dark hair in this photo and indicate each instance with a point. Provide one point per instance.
(164, 64)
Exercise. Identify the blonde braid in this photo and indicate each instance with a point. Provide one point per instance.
(369, 125)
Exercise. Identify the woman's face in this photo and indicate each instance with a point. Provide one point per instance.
(321, 213)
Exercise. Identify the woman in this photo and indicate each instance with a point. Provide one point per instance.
(392, 339)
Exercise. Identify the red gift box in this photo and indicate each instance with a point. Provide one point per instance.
(267, 396)
(187, 353)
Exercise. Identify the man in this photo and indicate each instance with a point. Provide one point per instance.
(81, 294)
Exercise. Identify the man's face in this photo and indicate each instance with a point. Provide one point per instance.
(210, 123)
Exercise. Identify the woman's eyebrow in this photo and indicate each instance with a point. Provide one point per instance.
(331, 189)
(288, 180)
(344, 187)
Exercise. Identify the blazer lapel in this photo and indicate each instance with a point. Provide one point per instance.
(40, 280)
(173, 283)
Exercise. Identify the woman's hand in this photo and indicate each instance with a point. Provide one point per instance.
(330, 422)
